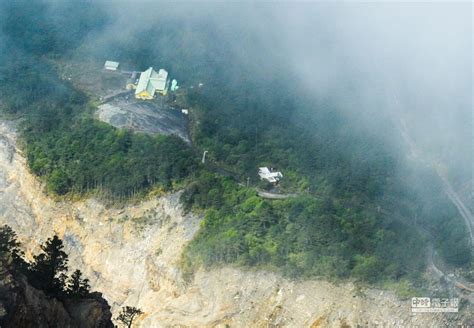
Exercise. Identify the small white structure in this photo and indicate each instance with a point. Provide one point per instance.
(174, 85)
(203, 160)
(111, 65)
(151, 82)
(268, 174)
(185, 111)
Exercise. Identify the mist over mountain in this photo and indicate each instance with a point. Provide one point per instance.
(364, 109)
(410, 60)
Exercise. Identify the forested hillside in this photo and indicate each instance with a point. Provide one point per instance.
(355, 210)
(64, 145)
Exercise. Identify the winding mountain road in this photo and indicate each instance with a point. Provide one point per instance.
(458, 203)
(463, 210)
(271, 195)
(461, 207)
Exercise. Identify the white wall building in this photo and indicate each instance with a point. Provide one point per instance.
(151, 82)
(271, 176)
(111, 65)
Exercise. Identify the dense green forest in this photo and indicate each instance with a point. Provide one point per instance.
(307, 235)
(356, 209)
(64, 145)
(73, 152)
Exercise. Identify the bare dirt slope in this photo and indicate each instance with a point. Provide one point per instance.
(131, 254)
(150, 117)
(119, 107)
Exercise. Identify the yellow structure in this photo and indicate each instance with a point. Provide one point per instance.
(150, 83)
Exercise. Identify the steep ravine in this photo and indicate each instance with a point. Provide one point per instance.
(131, 255)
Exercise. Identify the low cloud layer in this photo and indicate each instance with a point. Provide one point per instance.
(407, 59)
(397, 59)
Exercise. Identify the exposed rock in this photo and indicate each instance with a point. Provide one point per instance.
(131, 255)
(21, 305)
(150, 117)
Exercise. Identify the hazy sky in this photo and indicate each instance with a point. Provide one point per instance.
(411, 60)
(399, 57)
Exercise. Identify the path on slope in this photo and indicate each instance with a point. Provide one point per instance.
(458, 203)
(271, 195)
(461, 207)
(132, 253)
(449, 190)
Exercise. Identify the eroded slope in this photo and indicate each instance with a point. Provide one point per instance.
(131, 254)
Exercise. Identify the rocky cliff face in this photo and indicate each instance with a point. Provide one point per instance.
(21, 305)
(131, 254)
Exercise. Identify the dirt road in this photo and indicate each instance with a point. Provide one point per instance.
(461, 207)
(271, 195)
(452, 194)
(465, 213)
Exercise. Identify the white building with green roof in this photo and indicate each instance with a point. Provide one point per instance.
(150, 83)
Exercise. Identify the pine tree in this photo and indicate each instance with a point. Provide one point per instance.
(128, 314)
(49, 267)
(78, 287)
(10, 249)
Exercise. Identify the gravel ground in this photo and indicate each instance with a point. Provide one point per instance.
(151, 117)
